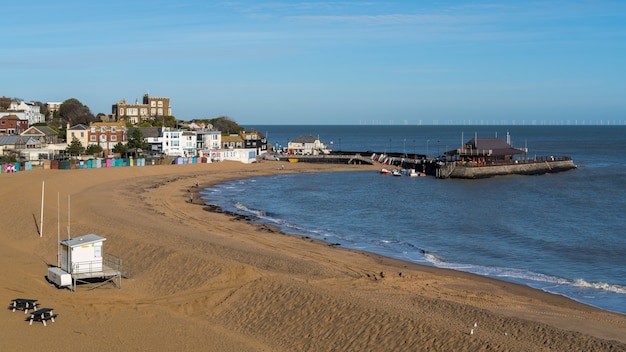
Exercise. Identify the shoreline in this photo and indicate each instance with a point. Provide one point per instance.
(200, 277)
(269, 227)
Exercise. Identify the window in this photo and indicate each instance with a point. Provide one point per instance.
(103, 129)
(82, 134)
(113, 129)
(92, 138)
(113, 138)
(160, 104)
(103, 137)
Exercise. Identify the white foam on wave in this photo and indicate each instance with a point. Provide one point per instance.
(523, 275)
(600, 286)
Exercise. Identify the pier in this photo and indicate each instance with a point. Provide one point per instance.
(444, 167)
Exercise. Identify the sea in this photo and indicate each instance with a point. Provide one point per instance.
(563, 233)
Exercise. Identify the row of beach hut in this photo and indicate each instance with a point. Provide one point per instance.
(97, 163)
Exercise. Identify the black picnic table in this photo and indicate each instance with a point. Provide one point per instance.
(41, 315)
(24, 304)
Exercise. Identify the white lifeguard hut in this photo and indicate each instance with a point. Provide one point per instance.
(81, 259)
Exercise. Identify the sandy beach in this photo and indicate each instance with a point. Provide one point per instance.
(201, 280)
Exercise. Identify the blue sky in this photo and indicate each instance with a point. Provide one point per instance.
(325, 62)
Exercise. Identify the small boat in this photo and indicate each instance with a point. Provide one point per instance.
(396, 173)
(385, 171)
(413, 173)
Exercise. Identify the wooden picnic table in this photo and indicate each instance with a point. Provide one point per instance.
(24, 304)
(41, 315)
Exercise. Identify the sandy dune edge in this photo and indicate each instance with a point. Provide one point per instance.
(205, 281)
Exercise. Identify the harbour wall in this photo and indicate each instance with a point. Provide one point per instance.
(534, 168)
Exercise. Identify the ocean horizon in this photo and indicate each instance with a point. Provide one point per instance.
(561, 233)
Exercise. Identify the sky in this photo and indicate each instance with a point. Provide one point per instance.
(326, 62)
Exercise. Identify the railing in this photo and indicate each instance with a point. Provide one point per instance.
(540, 159)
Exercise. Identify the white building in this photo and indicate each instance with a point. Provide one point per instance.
(306, 145)
(33, 112)
(189, 143)
(209, 139)
(27, 111)
(172, 142)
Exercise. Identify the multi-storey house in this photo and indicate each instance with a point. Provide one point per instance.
(208, 140)
(172, 142)
(255, 140)
(189, 143)
(79, 132)
(44, 134)
(306, 145)
(233, 141)
(11, 124)
(107, 135)
(149, 108)
(27, 111)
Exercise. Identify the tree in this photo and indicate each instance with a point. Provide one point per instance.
(74, 112)
(75, 148)
(165, 121)
(120, 148)
(93, 149)
(5, 102)
(226, 125)
(136, 140)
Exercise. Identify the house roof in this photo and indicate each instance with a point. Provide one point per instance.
(39, 130)
(82, 240)
(80, 126)
(305, 139)
(493, 146)
(10, 117)
(146, 132)
(231, 138)
(8, 140)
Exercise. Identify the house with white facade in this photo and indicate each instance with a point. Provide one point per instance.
(189, 143)
(27, 111)
(209, 139)
(171, 140)
(306, 145)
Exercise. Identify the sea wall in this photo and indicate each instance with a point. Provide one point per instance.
(473, 172)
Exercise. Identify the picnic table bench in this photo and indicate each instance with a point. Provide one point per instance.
(24, 304)
(41, 315)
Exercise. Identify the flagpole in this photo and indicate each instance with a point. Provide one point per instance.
(41, 218)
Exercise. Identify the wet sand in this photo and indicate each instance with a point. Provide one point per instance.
(202, 280)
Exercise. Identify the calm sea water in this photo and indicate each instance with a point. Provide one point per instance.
(563, 233)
